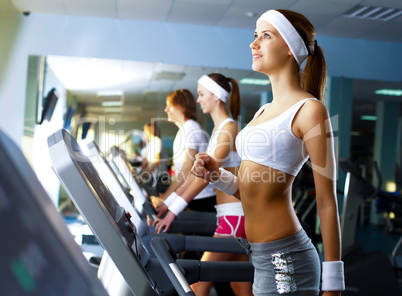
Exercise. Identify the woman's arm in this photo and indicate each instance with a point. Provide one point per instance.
(185, 194)
(225, 143)
(315, 129)
(207, 168)
(178, 185)
(185, 172)
(193, 184)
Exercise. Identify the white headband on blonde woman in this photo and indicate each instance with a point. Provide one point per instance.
(288, 33)
(214, 88)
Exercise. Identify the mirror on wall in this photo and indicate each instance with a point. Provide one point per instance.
(109, 101)
(123, 95)
(117, 97)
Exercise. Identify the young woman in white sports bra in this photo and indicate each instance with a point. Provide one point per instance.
(214, 90)
(273, 148)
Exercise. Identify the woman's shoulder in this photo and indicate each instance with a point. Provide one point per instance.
(314, 108)
(313, 114)
(229, 123)
(191, 129)
(229, 126)
(191, 125)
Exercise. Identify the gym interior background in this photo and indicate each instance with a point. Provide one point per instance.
(146, 49)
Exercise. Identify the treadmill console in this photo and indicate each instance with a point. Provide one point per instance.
(39, 255)
(109, 222)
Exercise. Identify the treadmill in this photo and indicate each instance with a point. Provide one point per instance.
(187, 222)
(123, 198)
(143, 274)
(147, 233)
(123, 171)
(362, 276)
(39, 255)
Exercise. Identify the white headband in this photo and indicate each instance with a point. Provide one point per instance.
(214, 88)
(288, 33)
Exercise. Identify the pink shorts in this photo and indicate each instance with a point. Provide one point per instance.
(231, 226)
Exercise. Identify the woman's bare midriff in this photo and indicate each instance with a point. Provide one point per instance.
(266, 196)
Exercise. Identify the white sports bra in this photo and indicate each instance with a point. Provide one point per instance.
(272, 143)
(232, 159)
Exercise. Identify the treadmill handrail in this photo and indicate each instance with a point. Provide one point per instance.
(163, 252)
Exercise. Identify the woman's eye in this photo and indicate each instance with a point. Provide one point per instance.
(266, 36)
(255, 36)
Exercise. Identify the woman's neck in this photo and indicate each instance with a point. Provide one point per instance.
(180, 121)
(219, 115)
(285, 86)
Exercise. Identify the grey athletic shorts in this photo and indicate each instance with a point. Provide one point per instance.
(286, 266)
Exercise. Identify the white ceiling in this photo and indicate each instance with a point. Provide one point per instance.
(326, 15)
(150, 92)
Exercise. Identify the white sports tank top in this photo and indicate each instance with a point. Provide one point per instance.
(272, 143)
(232, 159)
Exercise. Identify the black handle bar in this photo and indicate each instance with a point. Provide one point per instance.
(167, 258)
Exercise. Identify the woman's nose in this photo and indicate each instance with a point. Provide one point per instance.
(254, 44)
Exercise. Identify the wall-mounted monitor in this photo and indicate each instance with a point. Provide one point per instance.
(67, 117)
(85, 128)
(48, 105)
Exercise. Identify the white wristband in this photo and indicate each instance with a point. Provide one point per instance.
(332, 276)
(227, 182)
(178, 205)
(170, 199)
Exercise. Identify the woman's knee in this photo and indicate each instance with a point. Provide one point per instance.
(242, 288)
(202, 288)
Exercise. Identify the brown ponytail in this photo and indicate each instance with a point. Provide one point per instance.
(315, 70)
(315, 74)
(234, 100)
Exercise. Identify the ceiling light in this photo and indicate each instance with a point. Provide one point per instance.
(373, 13)
(255, 81)
(109, 93)
(112, 103)
(393, 15)
(368, 117)
(389, 92)
(251, 14)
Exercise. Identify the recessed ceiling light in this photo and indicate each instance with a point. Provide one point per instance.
(112, 103)
(255, 81)
(251, 14)
(373, 13)
(368, 117)
(389, 92)
(109, 93)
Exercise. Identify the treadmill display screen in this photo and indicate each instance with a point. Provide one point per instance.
(96, 156)
(83, 163)
(37, 258)
(28, 264)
